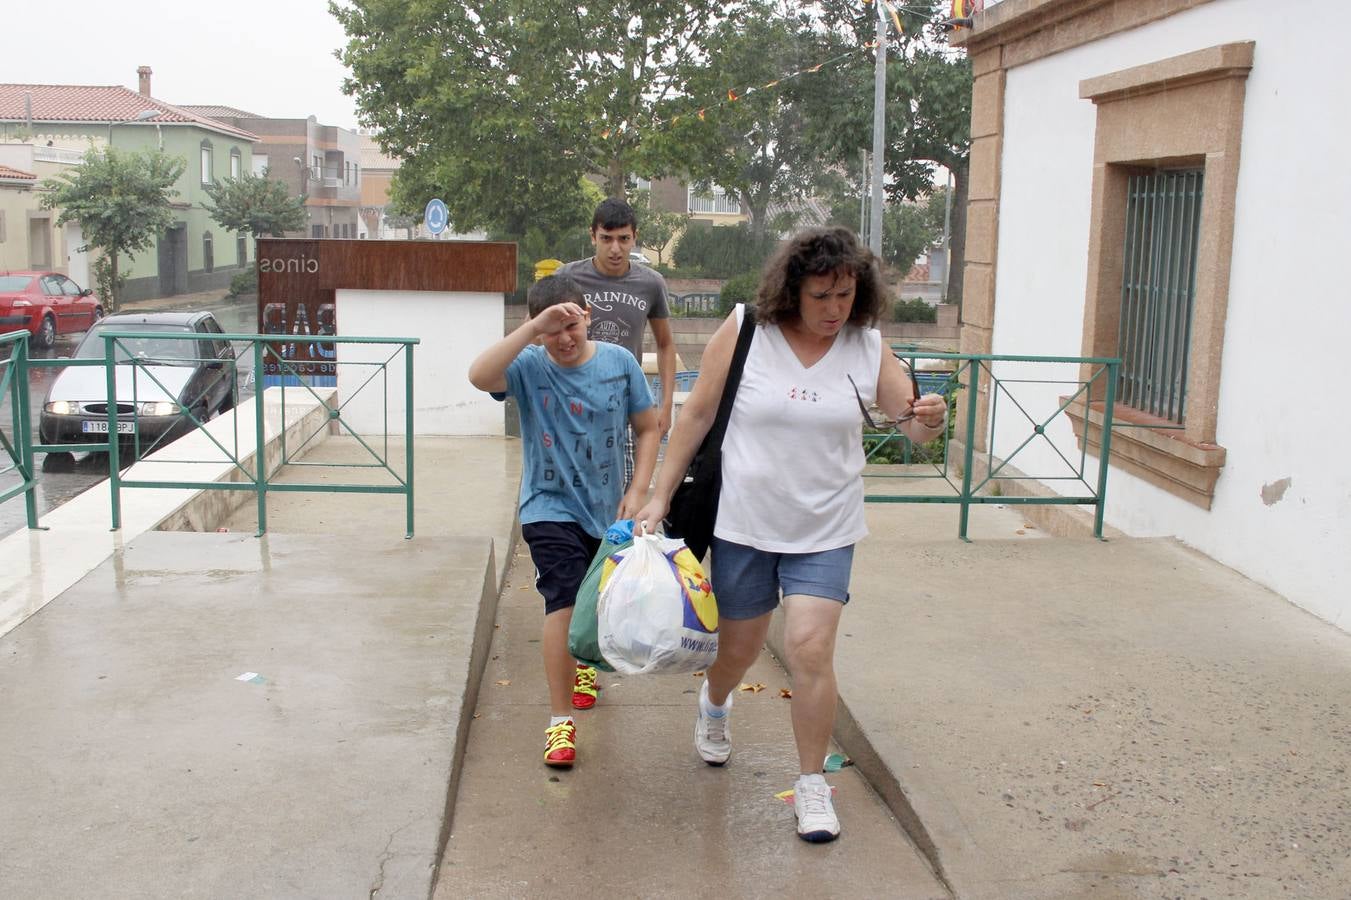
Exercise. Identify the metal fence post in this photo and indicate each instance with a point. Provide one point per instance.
(408, 431)
(114, 445)
(259, 457)
(1105, 453)
(969, 451)
(23, 441)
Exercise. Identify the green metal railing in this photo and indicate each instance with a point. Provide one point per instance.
(267, 354)
(968, 374)
(18, 453)
(268, 359)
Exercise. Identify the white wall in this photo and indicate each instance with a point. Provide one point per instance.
(1282, 404)
(453, 329)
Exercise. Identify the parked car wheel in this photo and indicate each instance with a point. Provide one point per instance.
(46, 334)
(227, 402)
(62, 461)
(98, 313)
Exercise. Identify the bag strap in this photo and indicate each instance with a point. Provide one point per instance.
(729, 388)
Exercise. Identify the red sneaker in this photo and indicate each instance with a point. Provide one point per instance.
(560, 744)
(585, 689)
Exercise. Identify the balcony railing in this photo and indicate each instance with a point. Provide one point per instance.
(58, 155)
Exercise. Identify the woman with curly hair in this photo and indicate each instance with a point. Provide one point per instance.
(791, 507)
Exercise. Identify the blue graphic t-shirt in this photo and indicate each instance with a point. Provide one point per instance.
(573, 423)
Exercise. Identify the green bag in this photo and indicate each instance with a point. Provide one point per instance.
(583, 643)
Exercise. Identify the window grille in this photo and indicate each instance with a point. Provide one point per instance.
(1158, 285)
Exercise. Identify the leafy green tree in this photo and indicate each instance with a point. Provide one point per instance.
(656, 228)
(501, 108)
(256, 204)
(406, 222)
(752, 147)
(928, 108)
(121, 201)
(908, 227)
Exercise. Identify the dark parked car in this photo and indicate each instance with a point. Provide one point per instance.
(45, 304)
(169, 374)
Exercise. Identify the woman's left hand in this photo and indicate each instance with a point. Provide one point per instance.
(930, 410)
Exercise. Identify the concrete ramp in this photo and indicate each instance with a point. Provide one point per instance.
(138, 763)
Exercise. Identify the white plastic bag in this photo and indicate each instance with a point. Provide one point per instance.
(657, 612)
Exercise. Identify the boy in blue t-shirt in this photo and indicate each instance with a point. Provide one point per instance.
(577, 399)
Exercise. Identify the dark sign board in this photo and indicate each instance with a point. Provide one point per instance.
(298, 281)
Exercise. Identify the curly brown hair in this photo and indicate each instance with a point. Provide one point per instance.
(820, 251)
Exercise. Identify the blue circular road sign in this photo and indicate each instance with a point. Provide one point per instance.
(436, 217)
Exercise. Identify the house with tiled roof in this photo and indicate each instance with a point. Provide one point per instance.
(59, 122)
(217, 111)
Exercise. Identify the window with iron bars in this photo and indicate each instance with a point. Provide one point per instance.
(1158, 285)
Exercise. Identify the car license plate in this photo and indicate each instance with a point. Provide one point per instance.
(101, 427)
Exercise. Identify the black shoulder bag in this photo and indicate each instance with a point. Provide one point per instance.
(694, 506)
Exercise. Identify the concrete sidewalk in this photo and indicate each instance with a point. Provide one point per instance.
(1073, 718)
(1029, 717)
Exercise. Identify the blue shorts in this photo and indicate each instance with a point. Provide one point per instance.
(747, 581)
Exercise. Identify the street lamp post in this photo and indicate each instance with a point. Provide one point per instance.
(879, 128)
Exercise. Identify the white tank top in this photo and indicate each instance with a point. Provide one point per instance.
(792, 459)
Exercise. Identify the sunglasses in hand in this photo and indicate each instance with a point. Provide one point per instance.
(914, 386)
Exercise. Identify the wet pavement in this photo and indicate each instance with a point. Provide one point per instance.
(1034, 717)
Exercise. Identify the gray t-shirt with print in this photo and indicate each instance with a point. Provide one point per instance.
(620, 307)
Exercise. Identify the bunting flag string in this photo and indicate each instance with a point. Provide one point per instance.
(736, 94)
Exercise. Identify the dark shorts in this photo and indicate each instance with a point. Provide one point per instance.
(561, 552)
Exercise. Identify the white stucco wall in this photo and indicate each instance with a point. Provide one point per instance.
(453, 329)
(1282, 407)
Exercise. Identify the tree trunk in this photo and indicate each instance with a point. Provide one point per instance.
(759, 220)
(115, 289)
(957, 236)
(616, 180)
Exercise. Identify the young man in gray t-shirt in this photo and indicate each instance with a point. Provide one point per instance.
(623, 297)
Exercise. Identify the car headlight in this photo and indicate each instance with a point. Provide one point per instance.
(22, 302)
(158, 408)
(61, 408)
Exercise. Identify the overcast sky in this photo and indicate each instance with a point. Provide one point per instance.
(271, 57)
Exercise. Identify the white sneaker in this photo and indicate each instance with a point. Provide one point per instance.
(712, 735)
(816, 820)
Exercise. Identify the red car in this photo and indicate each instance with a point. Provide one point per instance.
(45, 304)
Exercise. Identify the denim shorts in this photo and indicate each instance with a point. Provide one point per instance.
(747, 581)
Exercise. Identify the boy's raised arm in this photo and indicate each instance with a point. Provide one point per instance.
(488, 372)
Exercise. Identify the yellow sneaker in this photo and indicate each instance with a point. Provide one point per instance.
(584, 689)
